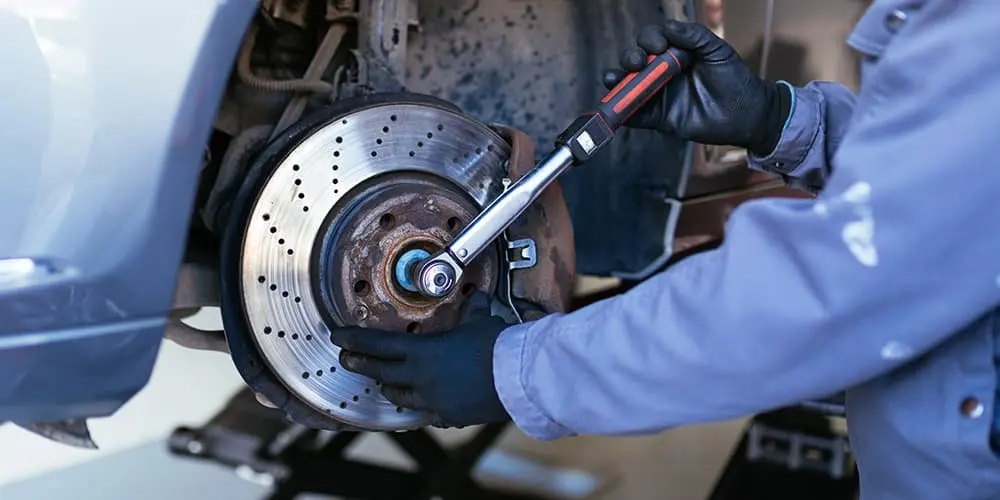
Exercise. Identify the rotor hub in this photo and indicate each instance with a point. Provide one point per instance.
(392, 225)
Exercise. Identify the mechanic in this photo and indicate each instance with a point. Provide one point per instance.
(886, 285)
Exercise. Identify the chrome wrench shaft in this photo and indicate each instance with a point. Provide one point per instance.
(438, 274)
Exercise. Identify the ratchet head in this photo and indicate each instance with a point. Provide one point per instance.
(436, 276)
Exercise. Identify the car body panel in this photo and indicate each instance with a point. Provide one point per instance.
(108, 108)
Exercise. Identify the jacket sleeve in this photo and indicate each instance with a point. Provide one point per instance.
(815, 127)
(805, 297)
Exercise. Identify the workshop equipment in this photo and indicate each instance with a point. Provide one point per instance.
(294, 461)
(438, 275)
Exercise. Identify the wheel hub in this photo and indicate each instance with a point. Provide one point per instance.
(398, 221)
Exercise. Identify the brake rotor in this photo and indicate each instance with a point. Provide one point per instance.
(326, 232)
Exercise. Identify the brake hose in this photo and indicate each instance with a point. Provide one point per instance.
(256, 82)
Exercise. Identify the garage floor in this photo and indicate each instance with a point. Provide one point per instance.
(188, 387)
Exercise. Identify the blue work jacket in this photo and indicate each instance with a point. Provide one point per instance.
(887, 285)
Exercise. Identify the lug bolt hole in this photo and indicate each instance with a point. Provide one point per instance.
(362, 288)
(386, 221)
(413, 327)
(468, 289)
(454, 223)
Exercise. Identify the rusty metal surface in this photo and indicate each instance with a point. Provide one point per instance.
(382, 43)
(403, 212)
(549, 283)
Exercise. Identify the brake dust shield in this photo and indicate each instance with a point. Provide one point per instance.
(337, 202)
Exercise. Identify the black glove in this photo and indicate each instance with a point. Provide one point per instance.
(717, 101)
(449, 375)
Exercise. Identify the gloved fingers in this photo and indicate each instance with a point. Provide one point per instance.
(406, 397)
(697, 39)
(386, 372)
(633, 59)
(611, 77)
(652, 40)
(378, 343)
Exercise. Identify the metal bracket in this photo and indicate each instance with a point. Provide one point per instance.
(526, 256)
(795, 450)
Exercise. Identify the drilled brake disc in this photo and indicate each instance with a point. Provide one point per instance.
(324, 233)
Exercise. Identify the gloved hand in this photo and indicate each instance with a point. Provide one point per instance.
(718, 100)
(449, 375)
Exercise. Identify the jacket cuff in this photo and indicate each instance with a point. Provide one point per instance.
(509, 358)
(798, 149)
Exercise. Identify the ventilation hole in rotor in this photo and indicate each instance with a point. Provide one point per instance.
(344, 122)
(420, 144)
(385, 130)
(273, 230)
(440, 127)
(290, 251)
(266, 217)
(319, 373)
(374, 153)
(335, 181)
(368, 390)
(274, 287)
(340, 140)
(362, 288)
(261, 279)
(298, 182)
(489, 147)
(309, 337)
(482, 185)
(454, 160)
(335, 191)
(468, 288)
(393, 117)
(333, 369)
(305, 209)
(399, 409)
(413, 327)
(305, 374)
(298, 299)
(355, 398)
(386, 221)
(284, 294)
(295, 336)
(267, 330)
(343, 404)
(479, 151)
(378, 141)
(281, 334)
(295, 167)
(454, 223)
(430, 135)
(378, 384)
(336, 167)
(466, 155)
(413, 153)
(302, 195)
(336, 154)
(281, 241)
